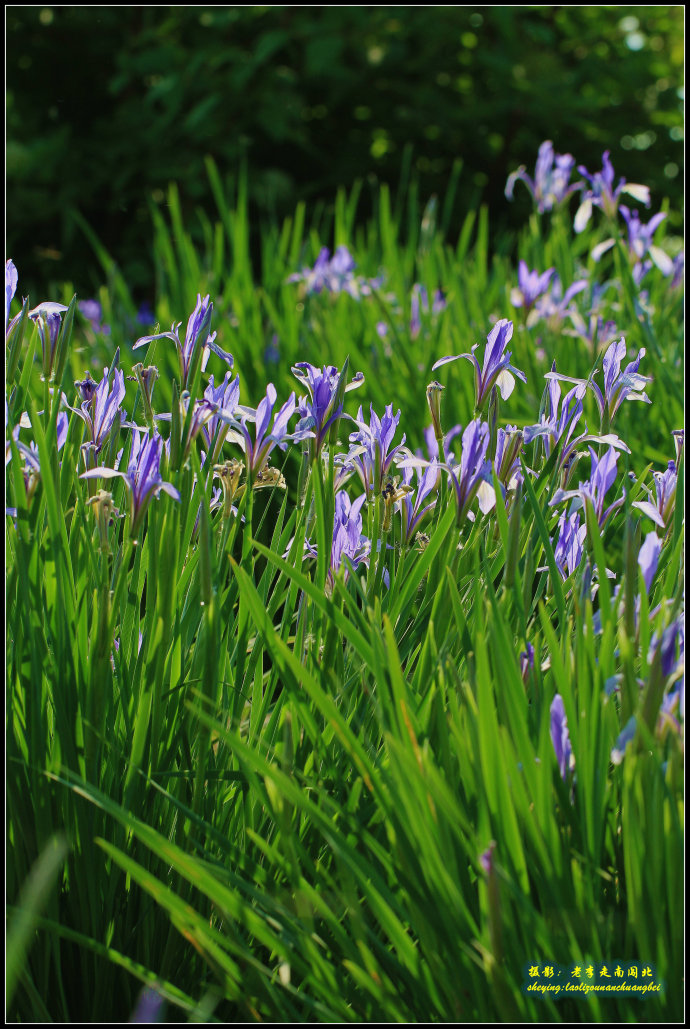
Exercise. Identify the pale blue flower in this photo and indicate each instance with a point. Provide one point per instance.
(603, 194)
(558, 422)
(472, 477)
(143, 476)
(415, 505)
(323, 407)
(568, 549)
(11, 280)
(618, 385)
(560, 737)
(497, 369)
(258, 448)
(372, 452)
(197, 335)
(640, 239)
(661, 508)
(102, 413)
(551, 183)
(531, 285)
(603, 476)
(349, 546)
(648, 558)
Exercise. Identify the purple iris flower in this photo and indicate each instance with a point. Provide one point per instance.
(32, 464)
(497, 368)
(472, 477)
(197, 335)
(315, 278)
(102, 413)
(640, 238)
(602, 193)
(603, 476)
(217, 406)
(678, 270)
(149, 1008)
(87, 387)
(224, 403)
(11, 280)
(666, 646)
(568, 549)
(526, 662)
(560, 417)
(93, 312)
(373, 454)
(341, 267)
(648, 558)
(143, 476)
(48, 319)
(145, 315)
(334, 275)
(550, 186)
(558, 423)
(413, 508)
(507, 457)
(323, 407)
(618, 386)
(626, 736)
(258, 449)
(661, 510)
(553, 306)
(348, 539)
(594, 330)
(419, 303)
(560, 737)
(531, 285)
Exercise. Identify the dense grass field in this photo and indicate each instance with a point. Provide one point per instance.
(345, 682)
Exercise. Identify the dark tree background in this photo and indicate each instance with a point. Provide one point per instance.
(107, 105)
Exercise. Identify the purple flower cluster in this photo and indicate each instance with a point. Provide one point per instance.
(550, 186)
(335, 275)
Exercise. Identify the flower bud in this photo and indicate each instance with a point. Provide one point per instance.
(105, 512)
(146, 377)
(87, 387)
(433, 396)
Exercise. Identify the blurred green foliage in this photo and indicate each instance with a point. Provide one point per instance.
(106, 106)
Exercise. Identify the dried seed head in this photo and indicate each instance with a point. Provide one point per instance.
(421, 541)
(229, 474)
(105, 513)
(269, 477)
